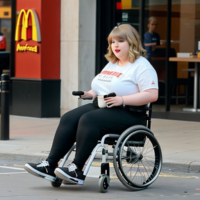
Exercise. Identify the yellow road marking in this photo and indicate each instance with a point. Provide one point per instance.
(168, 176)
(98, 164)
(18, 165)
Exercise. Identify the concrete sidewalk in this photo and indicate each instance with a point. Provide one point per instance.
(32, 137)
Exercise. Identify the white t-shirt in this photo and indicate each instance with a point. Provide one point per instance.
(129, 79)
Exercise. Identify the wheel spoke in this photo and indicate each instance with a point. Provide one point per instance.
(138, 144)
(139, 170)
(144, 168)
(146, 150)
(150, 161)
(149, 157)
(135, 174)
(146, 171)
(128, 165)
(145, 146)
(150, 150)
(150, 165)
(128, 169)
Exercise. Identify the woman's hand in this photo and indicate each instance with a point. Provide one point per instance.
(86, 95)
(115, 101)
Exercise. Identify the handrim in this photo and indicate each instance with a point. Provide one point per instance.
(134, 131)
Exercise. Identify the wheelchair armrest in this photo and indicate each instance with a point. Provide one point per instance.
(140, 108)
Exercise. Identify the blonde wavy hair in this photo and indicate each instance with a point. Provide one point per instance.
(128, 33)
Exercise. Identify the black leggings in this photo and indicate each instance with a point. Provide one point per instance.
(85, 125)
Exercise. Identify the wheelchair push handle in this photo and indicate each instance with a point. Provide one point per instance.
(78, 93)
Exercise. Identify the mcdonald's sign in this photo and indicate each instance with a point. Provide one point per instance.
(36, 46)
(28, 26)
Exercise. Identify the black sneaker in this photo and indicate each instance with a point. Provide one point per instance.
(42, 170)
(71, 173)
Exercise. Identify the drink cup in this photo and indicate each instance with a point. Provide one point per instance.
(101, 102)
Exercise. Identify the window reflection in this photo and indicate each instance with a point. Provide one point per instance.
(127, 11)
(185, 34)
(155, 43)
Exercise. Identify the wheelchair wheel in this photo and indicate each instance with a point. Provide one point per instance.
(104, 183)
(56, 183)
(137, 158)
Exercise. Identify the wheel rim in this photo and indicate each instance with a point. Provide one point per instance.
(105, 184)
(139, 163)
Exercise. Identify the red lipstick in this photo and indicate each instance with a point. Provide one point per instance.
(117, 50)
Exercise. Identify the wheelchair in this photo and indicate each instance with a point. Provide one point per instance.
(137, 156)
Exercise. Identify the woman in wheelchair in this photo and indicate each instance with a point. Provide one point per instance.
(134, 81)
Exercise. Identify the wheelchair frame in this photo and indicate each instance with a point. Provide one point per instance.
(104, 178)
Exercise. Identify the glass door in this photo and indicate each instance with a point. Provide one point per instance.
(155, 36)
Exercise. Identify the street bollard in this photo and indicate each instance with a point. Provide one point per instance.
(5, 101)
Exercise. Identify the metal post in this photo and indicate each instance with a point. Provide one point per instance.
(4, 135)
(168, 46)
(141, 20)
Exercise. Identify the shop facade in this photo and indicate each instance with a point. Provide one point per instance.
(78, 41)
(179, 28)
(52, 54)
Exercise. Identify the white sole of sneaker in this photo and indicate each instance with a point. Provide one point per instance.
(37, 173)
(69, 183)
(62, 175)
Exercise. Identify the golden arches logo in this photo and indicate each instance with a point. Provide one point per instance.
(28, 26)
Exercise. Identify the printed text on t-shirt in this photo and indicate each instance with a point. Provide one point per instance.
(111, 73)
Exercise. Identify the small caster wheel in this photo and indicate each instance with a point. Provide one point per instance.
(104, 182)
(56, 183)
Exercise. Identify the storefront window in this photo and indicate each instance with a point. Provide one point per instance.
(127, 12)
(185, 34)
(155, 43)
(176, 27)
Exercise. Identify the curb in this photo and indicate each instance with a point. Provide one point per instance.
(167, 167)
